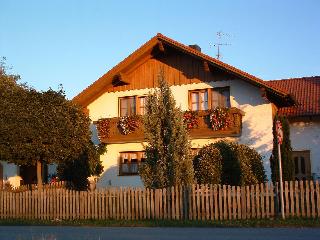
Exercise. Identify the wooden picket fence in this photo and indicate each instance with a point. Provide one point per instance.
(196, 202)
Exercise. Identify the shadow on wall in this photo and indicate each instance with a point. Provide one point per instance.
(258, 136)
(111, 178)
(254, 137)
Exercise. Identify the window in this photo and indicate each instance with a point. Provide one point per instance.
(199, 100)
(205, 99)
(127, 106)
(131, 105)
(220, 97)
(130, 162)
(142, 105)
(302, 167)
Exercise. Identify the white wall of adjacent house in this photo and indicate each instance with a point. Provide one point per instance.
(10, 174)
(256, 124)
(306, 136)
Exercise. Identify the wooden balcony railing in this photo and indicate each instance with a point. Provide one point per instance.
(203, 130)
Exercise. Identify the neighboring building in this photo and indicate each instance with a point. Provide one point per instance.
(304, 121)
(198, 82)
(17, 175)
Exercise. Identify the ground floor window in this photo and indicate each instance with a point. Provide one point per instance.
(130, 162)
(302, 164)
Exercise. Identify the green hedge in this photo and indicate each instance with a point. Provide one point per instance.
(229, 163)
(208, 165)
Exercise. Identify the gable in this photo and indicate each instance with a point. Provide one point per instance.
(181, 65)
(178, 68)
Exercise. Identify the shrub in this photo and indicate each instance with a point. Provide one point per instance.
(208, 165)
(77, 171)
(252, 171)
(239, 164)
(231, 172)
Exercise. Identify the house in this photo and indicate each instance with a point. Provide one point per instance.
(198, 83)
(304, 119)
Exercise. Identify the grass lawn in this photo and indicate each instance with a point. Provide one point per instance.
(290, 222)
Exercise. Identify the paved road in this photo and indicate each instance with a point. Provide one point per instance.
(123, 233)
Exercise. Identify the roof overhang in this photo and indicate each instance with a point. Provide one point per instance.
(158, 44)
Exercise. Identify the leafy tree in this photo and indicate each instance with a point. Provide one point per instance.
(286, 152)
(208, 165)
(168, 151)
(78, 170)
(39, 127)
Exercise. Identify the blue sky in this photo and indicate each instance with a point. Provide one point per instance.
(75, 42)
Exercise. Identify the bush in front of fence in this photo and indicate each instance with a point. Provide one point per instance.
(228, 163)
(208, 165)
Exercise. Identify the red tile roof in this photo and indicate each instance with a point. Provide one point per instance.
(306, 92)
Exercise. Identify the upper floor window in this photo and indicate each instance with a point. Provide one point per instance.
(142, 105)
(131, 105)
(127, 106)
(130, 162)
(199, 100)
(220, 97)
(205, 99)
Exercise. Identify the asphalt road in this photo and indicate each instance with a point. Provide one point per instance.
(123, 233)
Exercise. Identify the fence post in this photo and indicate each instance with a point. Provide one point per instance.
(186, 204)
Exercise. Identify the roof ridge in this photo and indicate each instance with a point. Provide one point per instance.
(220, 63)
(294, 78)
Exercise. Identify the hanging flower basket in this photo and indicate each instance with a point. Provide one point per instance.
(128, 124)
(103, 127)
(190, 118)
(219, 118)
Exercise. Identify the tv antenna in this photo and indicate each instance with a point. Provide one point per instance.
(219, 43)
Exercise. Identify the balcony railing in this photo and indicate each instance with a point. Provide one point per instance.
(114, 134)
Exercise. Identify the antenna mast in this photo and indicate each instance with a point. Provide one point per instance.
(220, 34)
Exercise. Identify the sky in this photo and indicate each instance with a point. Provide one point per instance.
(74, 42)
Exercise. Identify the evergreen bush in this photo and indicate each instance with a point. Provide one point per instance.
(286, 152)
(229, 163)
(208, 165)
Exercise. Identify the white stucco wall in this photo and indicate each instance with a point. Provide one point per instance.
(11, 173)
(256, 131)
(306, 136)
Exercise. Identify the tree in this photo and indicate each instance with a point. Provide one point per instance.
(77, 171)
(39, 127)
(286, 152)
(168, 151)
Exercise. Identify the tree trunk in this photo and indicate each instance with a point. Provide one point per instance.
(39, 174)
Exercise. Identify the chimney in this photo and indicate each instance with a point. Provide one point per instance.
(195, 47)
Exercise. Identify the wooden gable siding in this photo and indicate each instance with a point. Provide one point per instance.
(179, 69)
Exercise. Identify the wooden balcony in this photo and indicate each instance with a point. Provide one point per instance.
(203, 130)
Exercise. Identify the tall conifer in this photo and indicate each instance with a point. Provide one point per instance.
(168, 153)
(286, 155)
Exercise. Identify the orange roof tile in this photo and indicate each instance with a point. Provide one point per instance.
(306, 92)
